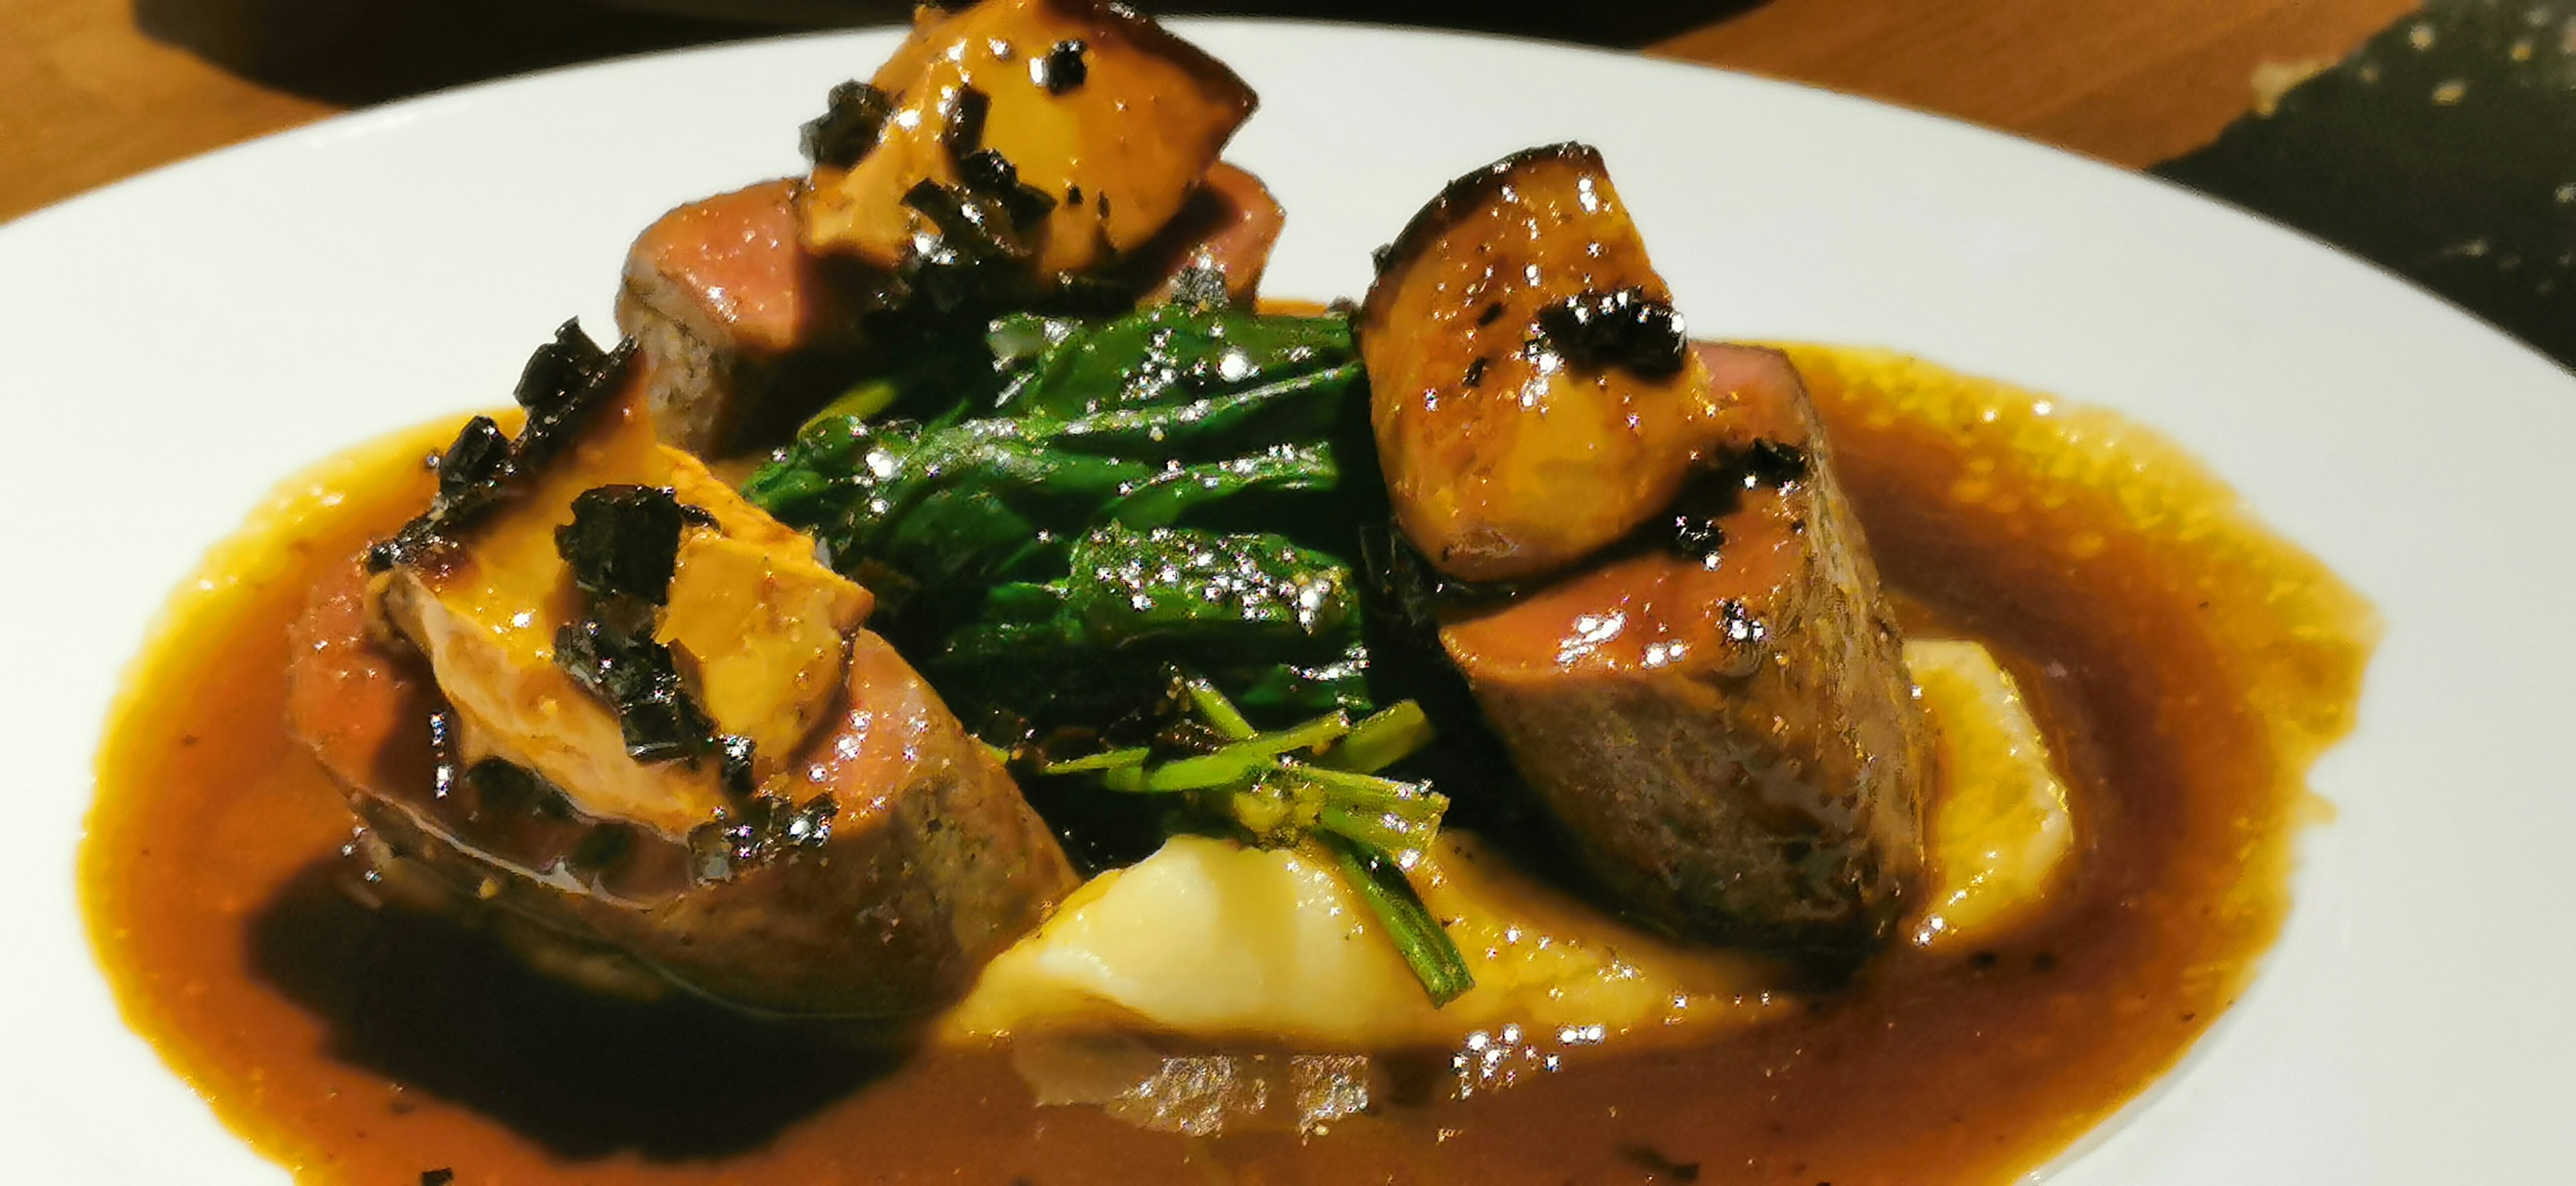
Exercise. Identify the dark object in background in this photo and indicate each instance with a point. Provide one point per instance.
(1626, 24)
(2444, 149)
(356, 52)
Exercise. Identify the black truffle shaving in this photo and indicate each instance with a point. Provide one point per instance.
(639, 680)
(735, 753)
(1622, 328)
(769, 827)
(1201, 287)
(973, 266)
(1718, 490)
(986, 171)
(977, 225)
(470, 476)
(564, 381)
(849, 126)
(965, 131)
(624, 541)
(477, 458)
(1062, 70)
(1770, 463)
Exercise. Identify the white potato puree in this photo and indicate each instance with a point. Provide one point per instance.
(1209, 939)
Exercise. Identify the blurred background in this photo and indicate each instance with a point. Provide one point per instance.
(2438, 139)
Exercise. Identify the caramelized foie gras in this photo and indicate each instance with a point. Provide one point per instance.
(829, 841)
(1510, 454)
(1695, 670)
(1088, 125)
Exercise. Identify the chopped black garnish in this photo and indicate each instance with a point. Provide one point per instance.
(1073, 195)
(1711, 495)
(1201, 287)
(469, 484)
(564, 380)
(977, 226)
(1476, 370)
(734, 769)
(848, 127)
(1771, 463)
(1699, 536)
(639, 679)
(965, 131)
(1062, 70)
(987, 171)
(479, 456)
(437, 1177)
(768, 827)
(623, 541)
(1622, 328)
(1718, 490)
(1492, 313)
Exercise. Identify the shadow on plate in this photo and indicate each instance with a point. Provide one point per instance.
(449, 1013)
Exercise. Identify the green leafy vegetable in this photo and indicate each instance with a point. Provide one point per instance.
(1417, 936)
(1283, 788)
(1113, 497)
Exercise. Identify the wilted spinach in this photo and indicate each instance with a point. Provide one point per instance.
(1115, 497)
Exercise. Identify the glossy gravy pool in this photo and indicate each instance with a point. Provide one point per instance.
(2185, 665)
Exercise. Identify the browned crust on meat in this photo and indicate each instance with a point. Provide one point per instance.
(1762, 787)
(934, 865)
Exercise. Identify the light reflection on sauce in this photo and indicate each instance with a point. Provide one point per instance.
(2185, 666)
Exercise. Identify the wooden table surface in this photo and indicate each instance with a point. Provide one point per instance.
(87, 97)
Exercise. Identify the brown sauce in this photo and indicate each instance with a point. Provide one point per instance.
(2185, 665)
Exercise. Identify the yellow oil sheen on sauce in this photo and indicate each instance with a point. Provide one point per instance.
(2185, 665)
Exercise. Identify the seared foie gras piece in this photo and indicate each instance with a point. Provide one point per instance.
(928, 865)
(596, 689)
(1070, 131)
(1533, 400)
(741, 330)
(1718, 713)
(765, 627)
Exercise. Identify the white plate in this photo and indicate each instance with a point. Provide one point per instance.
(171, 346)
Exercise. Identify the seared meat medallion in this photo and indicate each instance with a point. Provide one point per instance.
(1692, 665)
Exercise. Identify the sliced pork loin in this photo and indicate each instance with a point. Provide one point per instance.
(1689, 658)
(713, 772)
